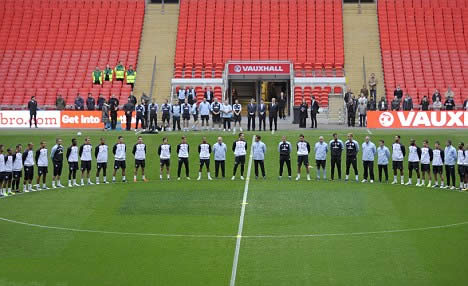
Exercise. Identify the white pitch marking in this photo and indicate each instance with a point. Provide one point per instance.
(241, 219)
(368, 131)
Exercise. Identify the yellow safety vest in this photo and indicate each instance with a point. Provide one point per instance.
(119, 72)
(131, 74)
(97, 75)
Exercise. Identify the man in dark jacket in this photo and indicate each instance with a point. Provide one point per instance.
(79, 102)
(90, 102)
(128, 109)
(436, 95)
(371, 104)
(396, 103)
(352, 112)
(100, 102)
(60, 102)
(209, 95)
(262, 115)
(303, 114)
(398, 92)
(348, 96)
(114, 107)
(314, 110)
(251, 112)
(407, 103)
(449, 103)
(32, 107)
(273, 114)
(424, 103)
(282, 106)
(383, 105)
(132, 99)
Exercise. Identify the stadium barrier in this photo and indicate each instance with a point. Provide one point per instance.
(417, 119)
(59, 119)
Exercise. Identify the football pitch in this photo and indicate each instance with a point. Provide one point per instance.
(266, 232)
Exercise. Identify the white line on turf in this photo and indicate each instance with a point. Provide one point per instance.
(368, 131)
(274, 236)
(241, 219)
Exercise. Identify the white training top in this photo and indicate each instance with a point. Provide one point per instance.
(460, 157)
(302, 148)
(437, 158)
(425, 155)
(86, 152)
(120, 149)
(29, 161)
(397, 154)
(43, 160)
(2, 163)
(413, 155)
(73, 157)
(165, 151)
(466, 160)
(18, 162)
(103, 151)
(9, 164)
(205, 150)
(140, 151)
(240, 148)
(183, 149)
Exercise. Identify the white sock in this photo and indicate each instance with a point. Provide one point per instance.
(74, 181)
(113, 178)
(123, 178)
(69, 182)
(357, 177)
(143, 177)
(168, 176)
(347, 177)
(30, 186)
(104, 179)
(160, 176)
(53, 184)
(318, 173)
(410, 181)
(422, 182)
(308, 176)
(82, 181)
(89, 180)
(9, 190)
(418, 182)
(395, 178)
(402, 179)
(134, 177)
(324, 173)
(199, 174)
(44, 185)
(461, 185)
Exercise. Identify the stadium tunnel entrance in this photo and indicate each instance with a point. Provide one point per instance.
(260, 81)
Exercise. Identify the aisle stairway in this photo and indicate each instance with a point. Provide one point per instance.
(359, 43)
(158, 40)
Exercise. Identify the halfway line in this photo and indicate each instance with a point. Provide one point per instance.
(241, 220)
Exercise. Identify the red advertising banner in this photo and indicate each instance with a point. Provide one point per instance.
(258, 68)
(417, 119)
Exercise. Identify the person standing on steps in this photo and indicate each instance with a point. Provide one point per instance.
(314, 110)
(32, 107)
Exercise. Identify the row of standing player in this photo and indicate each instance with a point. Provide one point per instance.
(10, 170)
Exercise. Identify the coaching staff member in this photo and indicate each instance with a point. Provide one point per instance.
(352, 149)
(32, 106)
(336, 148)
(285, 148)
(273, 114)
(219, 153)
(251, 110)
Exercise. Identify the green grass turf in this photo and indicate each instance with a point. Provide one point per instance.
(206, 210)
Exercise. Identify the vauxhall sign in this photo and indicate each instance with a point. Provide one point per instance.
(417, 119)
(258, 68)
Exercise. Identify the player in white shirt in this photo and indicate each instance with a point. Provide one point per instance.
(465, 164)
(119, 150)
(28, 163)
(183, 156)
(438, 160)
(139, 151)
(303, 150)
(2, 171)
(398, 155)
(426, 159)
(85, 152)
(72, 158)
(164, 152)
(460, 162)
(8, 172)
(101, 152)
(239, 148)
(414, 155)
(42, 162)
(204, 149)
(17, 168)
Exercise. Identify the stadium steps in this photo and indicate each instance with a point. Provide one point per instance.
(359, 42)
(335, 110)
(158, 39)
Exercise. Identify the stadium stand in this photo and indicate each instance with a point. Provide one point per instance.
(424, 46)
(52, 46)
(308, 33)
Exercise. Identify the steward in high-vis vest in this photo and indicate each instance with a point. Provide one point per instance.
(97, 76)
(119, 72)
(108, 73)
(130, 74)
